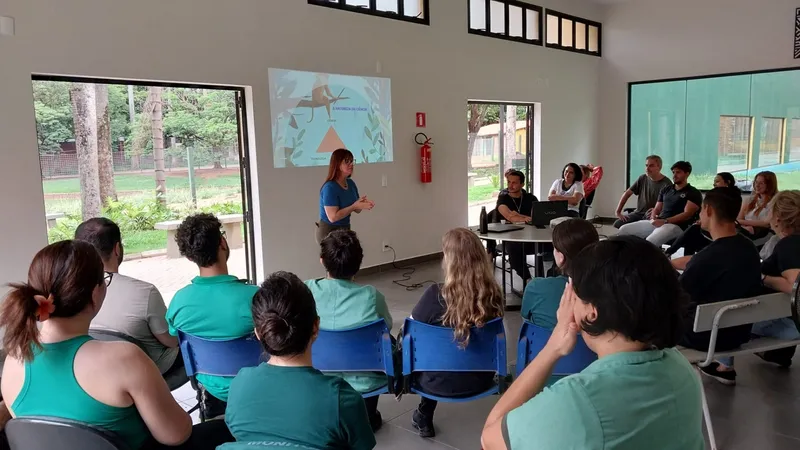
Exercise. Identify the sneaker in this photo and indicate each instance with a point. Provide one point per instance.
(726, 377)
(778, 357)
(422, 424)
(376, 421)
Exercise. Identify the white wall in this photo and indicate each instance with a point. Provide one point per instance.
(433, 69)
(655, 39)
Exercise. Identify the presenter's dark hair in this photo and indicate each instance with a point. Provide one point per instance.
(575, 168)
(103, 233)
(337, 158)
(341, 254)
(284, 314)
(198, 239)
(725, 201)
(634, 289)
(684, 166)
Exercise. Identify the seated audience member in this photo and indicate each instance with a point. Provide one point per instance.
(542, 296)
(754, 216)
(132, 306)
(638, 392)
(728, 269)
(675, 210)
(646, 188)
(591, 178)
(60, 371)
(469, 297)
(286, 401)
(215, 305)
(569, 189)
(343, 304)
(515, 206)
(694, 239)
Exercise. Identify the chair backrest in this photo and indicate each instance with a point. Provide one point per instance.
(367, 348)
(220, 358)
(532, 340)
(108, 335)
(47, 433)
(742, 311)
(429, 348)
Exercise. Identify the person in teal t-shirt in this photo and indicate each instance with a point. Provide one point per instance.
(343, 304)
(542, 295)
(640, 394)
(285, 402)
(216, 305)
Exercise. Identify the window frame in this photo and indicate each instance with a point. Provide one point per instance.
(372, 10)
(751, 123)
(754, 163)
(788, 148)
(506, 35)
(575, 19)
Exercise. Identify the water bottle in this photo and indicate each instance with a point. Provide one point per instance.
(484, 224)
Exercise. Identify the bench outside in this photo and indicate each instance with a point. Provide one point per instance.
(52, 219)
(231, 223)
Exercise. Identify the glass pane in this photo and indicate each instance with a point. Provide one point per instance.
(769, 151)
(477, 14)
(733, 150)
(566, 32)
(794, 139)
(357, 3)
(532, 25)
(594, 39)
(414, 8)
(515, 21)
(552, 29)
(498, 16)
(387, 5)
(580, 36)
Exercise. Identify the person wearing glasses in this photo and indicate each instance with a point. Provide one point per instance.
(216, 305)
(339, 197)
(132, 307)
(55, 369)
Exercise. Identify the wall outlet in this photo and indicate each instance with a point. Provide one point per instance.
(385, 246)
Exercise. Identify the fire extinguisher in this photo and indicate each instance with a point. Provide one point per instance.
(426, 143)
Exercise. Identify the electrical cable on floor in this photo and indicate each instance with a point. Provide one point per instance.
(406, 276)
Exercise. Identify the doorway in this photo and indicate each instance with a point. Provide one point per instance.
(500, 136)
(146, 155)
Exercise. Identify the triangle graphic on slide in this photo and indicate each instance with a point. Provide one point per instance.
(331, 142)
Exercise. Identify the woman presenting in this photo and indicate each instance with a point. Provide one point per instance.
(339, 197)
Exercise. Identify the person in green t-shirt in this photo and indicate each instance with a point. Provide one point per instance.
(344, 304)
(215, 305)
(640, 393)
(285, 402)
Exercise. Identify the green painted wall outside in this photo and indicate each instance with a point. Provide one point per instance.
(680, 120)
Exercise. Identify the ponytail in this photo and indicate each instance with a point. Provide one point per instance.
(19, 321)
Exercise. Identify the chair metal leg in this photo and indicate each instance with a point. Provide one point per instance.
(707, 415)
(503, 259)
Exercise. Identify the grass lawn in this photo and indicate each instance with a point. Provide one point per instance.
(142, 182)
(786, 180)
(142, 241)
(478, 193)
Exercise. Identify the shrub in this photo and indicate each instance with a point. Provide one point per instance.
(223, 208)
(140, 216)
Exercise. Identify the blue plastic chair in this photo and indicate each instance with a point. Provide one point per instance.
(430, 348)
(367, 348)
(217, 358)
(532, 340)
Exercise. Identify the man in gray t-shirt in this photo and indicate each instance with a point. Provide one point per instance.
(646, 188)
(132, 307)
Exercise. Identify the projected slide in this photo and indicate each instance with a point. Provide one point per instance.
(314, 114)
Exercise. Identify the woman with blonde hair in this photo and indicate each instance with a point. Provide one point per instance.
(754, 216)
(469, 297)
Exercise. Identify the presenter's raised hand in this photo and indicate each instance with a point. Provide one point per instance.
(362, 204)
(372, 204)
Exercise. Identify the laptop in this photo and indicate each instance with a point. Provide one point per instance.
(544, 212)
(503, 227)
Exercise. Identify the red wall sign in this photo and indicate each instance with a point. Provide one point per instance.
(422, 120)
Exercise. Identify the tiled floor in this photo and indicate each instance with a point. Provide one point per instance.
(762, 412)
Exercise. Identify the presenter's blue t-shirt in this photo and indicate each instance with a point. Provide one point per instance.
(332, 194)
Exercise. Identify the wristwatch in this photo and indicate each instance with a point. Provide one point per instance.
(666, 220)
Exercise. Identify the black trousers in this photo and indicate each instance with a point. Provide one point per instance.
(692, 241)
(372, 406)
(632, 217)
(517, 257)
(205, 436)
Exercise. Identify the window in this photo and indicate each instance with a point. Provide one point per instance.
(771, 142)
(794, 141)
(416, 11)
(572, 33)
(734, 143)
(506, 19)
